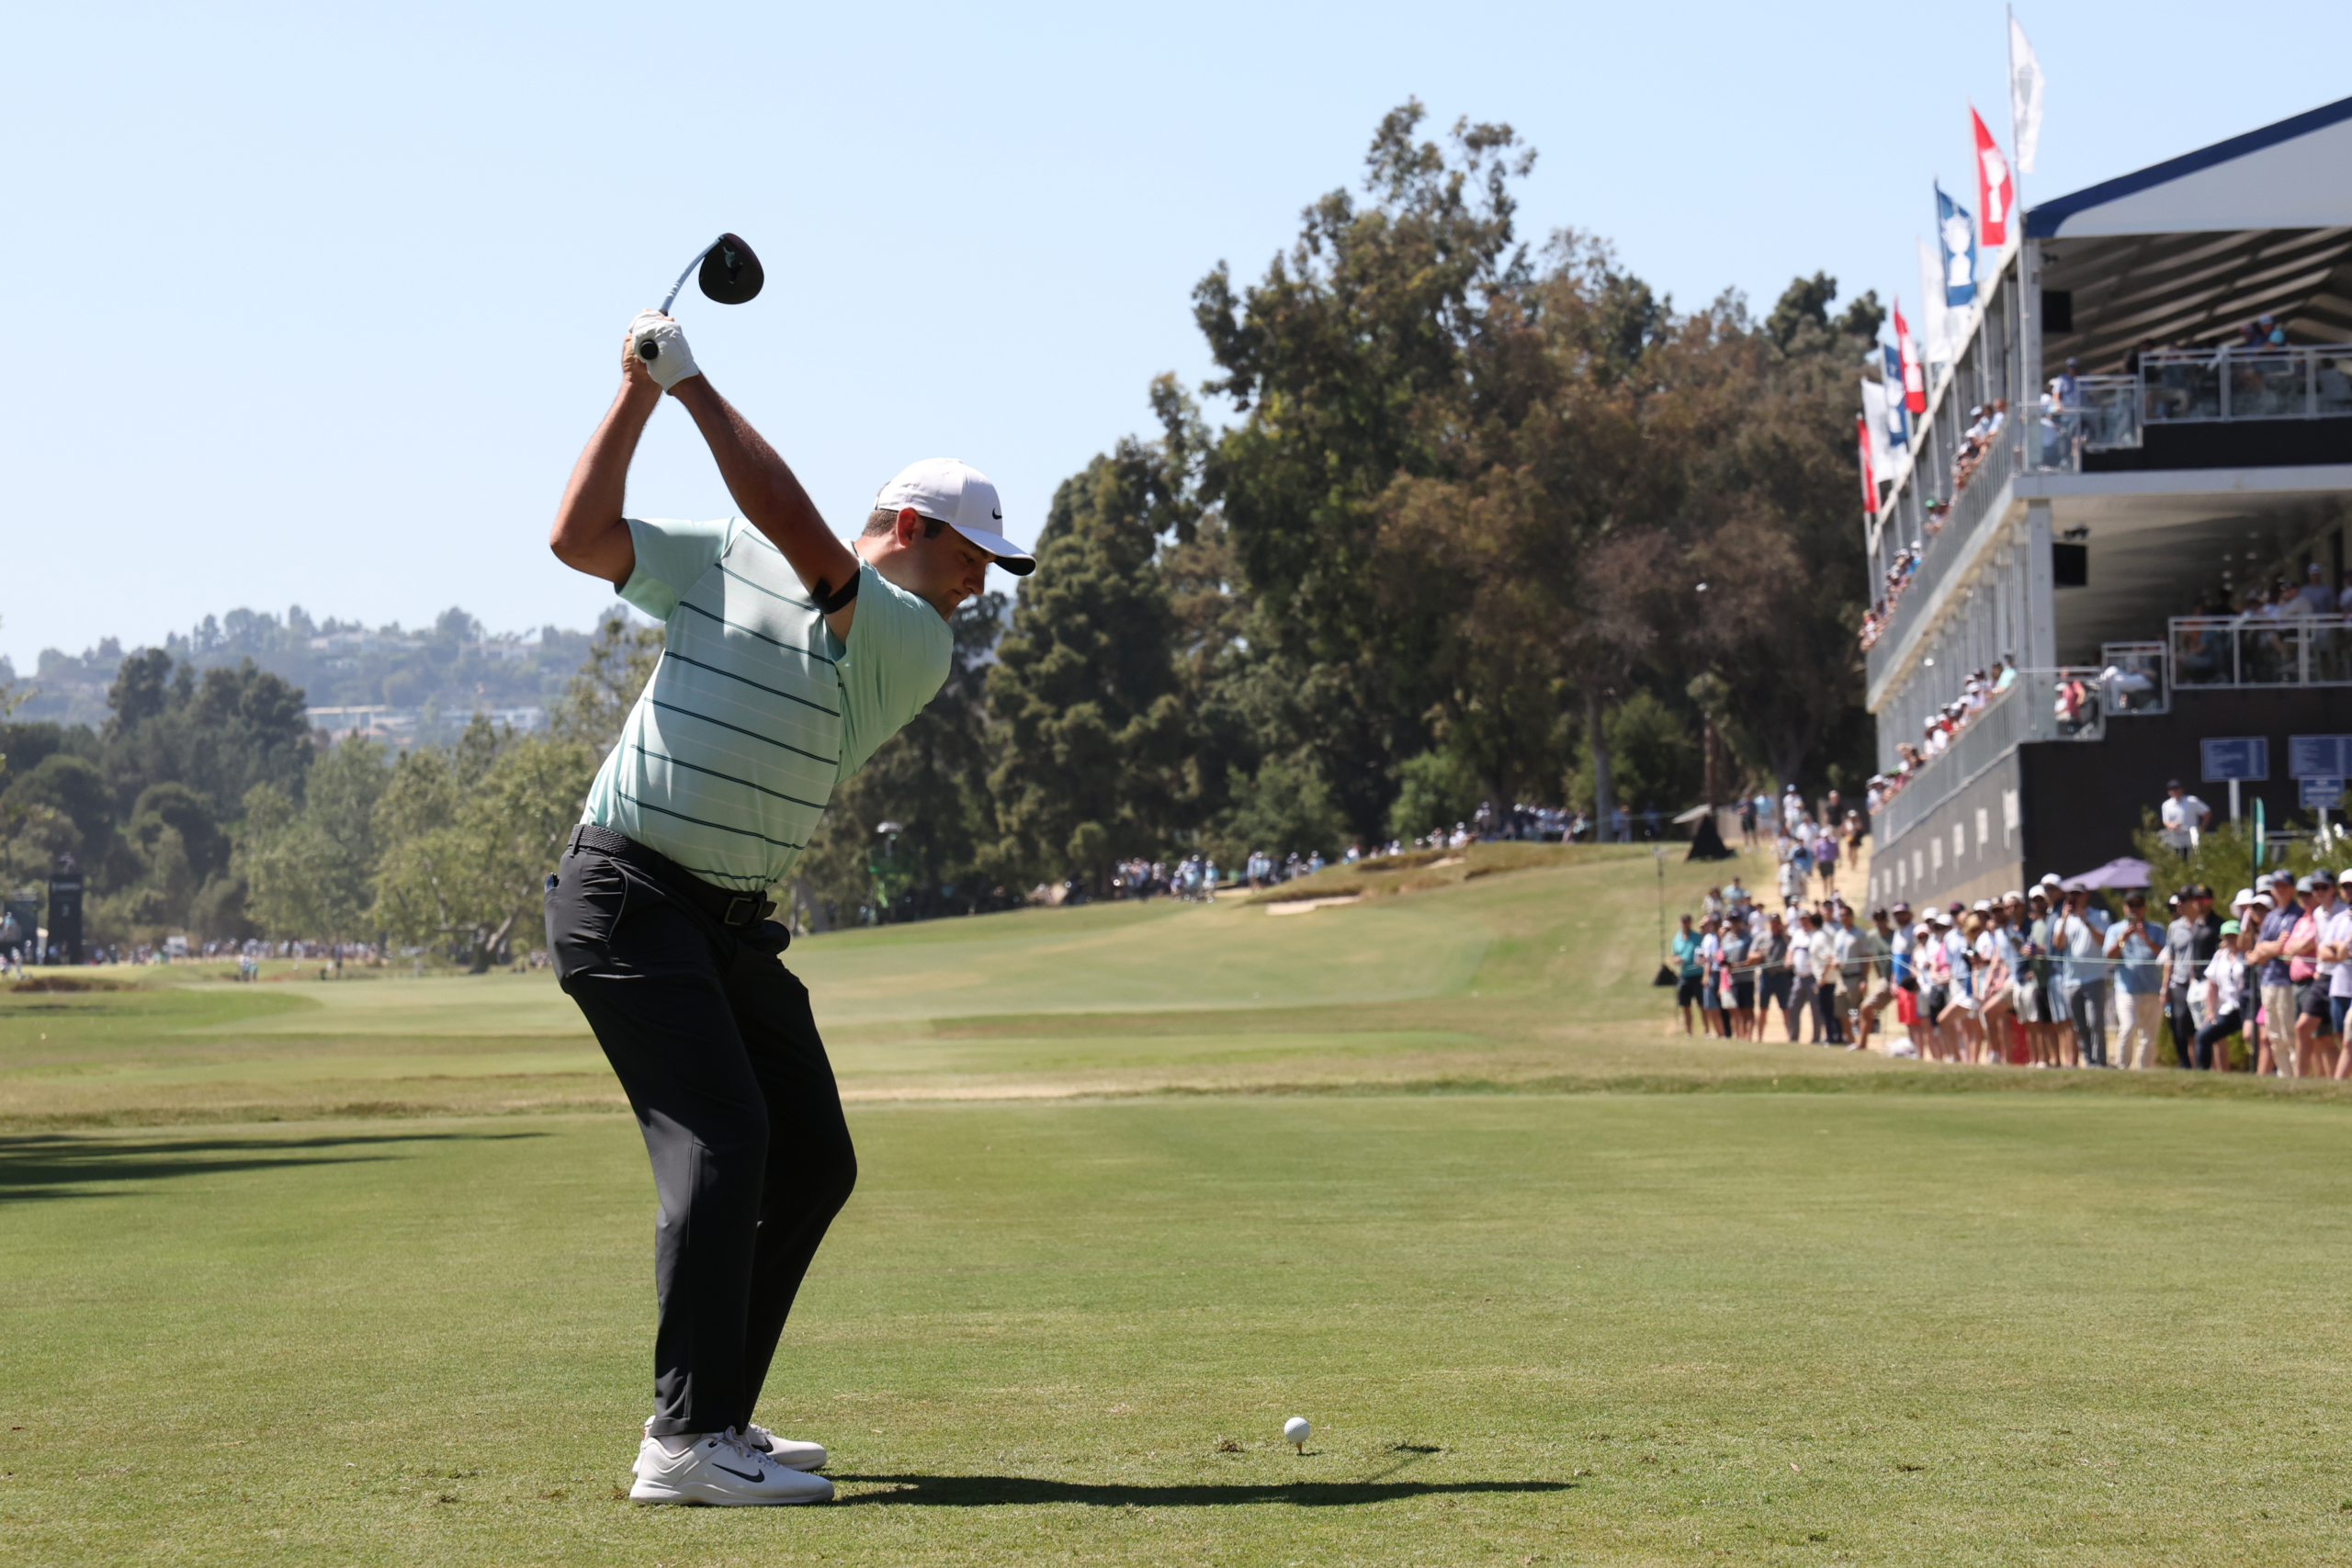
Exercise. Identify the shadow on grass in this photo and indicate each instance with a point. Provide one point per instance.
(45, 1166)
(1013, 1491)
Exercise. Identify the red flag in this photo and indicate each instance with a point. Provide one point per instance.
(1869, 479)
(1994, 190)
(1914, 379)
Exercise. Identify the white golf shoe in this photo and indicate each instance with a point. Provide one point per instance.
(724, 1471)
(789, 1452)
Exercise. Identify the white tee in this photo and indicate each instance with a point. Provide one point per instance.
(2187, 812)
(2227, 971)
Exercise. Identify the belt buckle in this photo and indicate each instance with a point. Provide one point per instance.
(746, 915)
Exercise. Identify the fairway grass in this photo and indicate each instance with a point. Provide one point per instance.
(1098, 1252)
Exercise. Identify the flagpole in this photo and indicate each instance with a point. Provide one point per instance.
(2017, 176)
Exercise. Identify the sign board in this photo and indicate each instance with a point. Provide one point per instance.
(2244, 757)
(2319, 756)
(2320, 795)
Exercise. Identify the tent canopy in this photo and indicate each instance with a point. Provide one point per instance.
(2124, 872)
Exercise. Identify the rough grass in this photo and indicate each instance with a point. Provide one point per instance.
(357, 1273)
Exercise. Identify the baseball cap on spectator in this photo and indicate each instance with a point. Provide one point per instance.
(2172, 783)
(2265, 901)
(2229, 928)
(2245, 897)
(2305, 885)
(1981, 906)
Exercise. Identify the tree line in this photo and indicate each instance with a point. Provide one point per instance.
(1488, 520)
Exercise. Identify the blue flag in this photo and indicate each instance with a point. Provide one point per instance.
(1898, 418)
(1956, 232)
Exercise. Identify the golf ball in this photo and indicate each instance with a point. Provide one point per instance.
(1295, 1430)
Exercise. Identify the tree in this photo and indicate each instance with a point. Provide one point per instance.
(1286, 807)
(1337, 358)
(1092, 733)
(469, 834)
(597, 701)
(309, 872)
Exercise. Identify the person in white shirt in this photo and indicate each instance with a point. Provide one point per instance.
(2181, 813)
(2335, 963)
(2224, 1000)
(1804, 978)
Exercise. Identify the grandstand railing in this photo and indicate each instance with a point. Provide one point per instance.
(2070, 703)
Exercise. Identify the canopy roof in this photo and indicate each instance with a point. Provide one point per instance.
(2294, 174)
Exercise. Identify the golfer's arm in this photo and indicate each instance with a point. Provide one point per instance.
(771, 497)
(590, 533)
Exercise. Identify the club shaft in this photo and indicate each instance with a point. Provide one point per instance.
(672, 298)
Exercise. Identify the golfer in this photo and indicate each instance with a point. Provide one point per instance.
(787, 658)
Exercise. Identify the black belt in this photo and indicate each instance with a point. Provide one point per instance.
(724, 905)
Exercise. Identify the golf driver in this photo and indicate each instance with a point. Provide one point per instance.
(730, 274)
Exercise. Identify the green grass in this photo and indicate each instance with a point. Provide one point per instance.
(1828, 1320)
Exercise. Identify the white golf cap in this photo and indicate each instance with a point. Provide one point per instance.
(2244, 895)
(960, 496)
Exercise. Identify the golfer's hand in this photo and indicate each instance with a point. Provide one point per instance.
(657, 346)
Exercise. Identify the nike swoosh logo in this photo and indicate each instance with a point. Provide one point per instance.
(755, 1475)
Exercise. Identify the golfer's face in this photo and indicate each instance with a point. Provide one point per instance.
(951, 566)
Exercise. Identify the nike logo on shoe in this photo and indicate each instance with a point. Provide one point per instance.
(756, 1477)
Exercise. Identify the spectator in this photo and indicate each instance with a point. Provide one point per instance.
(2190, 943)
(2184, 816)
(2315, 596)
(2277, 993)
(1687, 971)
(2224, 1000)
(2315, 1045)
(2135, 951)
(1775, 977)
(1869, 975)
(2336, 960)
(2080, 937)
(1804, 978)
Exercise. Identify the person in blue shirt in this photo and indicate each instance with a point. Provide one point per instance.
(1686, 985)
(2136, 950)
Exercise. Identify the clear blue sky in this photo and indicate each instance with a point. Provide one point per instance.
(312, 306)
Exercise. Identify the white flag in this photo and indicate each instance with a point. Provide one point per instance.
(2025, 97)
(1874, 421)
(1935, 346)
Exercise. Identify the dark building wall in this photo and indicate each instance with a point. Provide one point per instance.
(2083, 801)
(2230, 444)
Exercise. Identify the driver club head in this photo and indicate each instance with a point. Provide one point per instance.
(731, 273)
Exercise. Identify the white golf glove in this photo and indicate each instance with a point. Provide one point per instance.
(660, 344)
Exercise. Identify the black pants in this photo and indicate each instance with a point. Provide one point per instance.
(713, 1040)
(2211, 1040)
(2184, 1027)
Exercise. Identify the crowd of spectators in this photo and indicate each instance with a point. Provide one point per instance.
(1899, 572)
(2047, 978)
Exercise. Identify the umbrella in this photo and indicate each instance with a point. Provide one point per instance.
(2124, 872)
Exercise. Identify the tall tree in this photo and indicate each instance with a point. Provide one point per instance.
(1093, 733)
(1335, 359)
(310, 871)
(469, 834)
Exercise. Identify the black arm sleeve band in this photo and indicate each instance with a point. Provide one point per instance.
(828, 602)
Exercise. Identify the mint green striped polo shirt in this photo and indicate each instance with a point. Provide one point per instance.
(756, 710)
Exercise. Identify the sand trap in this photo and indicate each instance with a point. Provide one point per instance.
(1301, 905)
